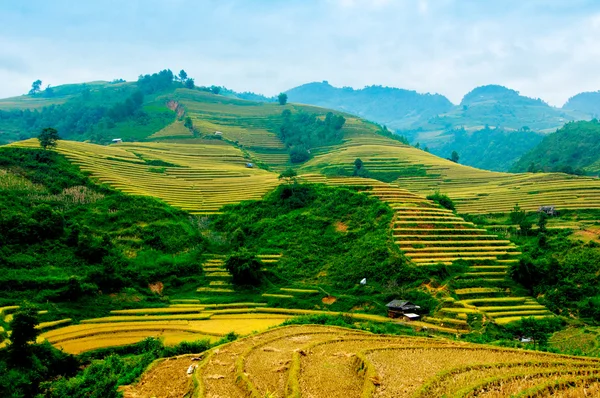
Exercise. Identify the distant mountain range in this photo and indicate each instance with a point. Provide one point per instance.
(492, 127)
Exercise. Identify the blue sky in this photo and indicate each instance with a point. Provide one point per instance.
(542, 48)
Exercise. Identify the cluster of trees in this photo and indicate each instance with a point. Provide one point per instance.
(302, 131)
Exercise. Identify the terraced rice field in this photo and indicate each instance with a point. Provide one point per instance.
(321, 361)
(474, 191)
(187, 320)
(428, 234)
(173, 130)
(206, 177)
(218, 276)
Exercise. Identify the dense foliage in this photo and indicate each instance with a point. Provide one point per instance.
(563, 272)
(63, 238)
(488, 148)
(442, 200)
(243, 265)
(573, 149)
(302, 131)
(331, 237)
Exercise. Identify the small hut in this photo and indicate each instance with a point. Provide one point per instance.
(549, 210)
(402, 308)
(411, 317)
(116, 140)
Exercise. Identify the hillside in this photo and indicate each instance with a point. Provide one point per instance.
(575, 148)
(491, 127)
(588, 103)
(396, 108)
(326, 361)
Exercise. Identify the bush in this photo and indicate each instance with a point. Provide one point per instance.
(245, 267)
(442, 200)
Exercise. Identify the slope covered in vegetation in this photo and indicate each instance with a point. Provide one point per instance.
(574, 149)
(64, 238)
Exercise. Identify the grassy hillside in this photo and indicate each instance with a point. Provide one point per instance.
(575, 148)
(67, 240)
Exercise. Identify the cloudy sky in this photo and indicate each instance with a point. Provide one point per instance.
(542, 48)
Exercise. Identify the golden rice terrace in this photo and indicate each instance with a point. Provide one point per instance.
(320, 361)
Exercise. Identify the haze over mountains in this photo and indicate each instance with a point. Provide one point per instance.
(491, 127)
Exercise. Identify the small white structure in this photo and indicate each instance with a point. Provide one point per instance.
(411, 317)
(363, 281)
(191, 369)
(116, 140)
(218, 133)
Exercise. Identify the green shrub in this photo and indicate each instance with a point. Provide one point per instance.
(245, 267)
(442, 200)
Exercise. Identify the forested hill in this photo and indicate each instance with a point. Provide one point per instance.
(99, 111)
(575, 148)
(397, 108)
(588, 103)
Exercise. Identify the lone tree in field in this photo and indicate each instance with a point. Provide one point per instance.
(282, 98)
(215, 89)
(289, 176)
(187, 123)
(35, 87)
(23, 333)
(454, 157)
(245, 267)
(48, 138)
(358, 166)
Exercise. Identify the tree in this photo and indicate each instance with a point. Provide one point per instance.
(519, 217)
(183, 75)
(49, 91)
(542, 222)
(454, 157)
(189, 83)
(289, 176)
(245, 267)
(48, 138)
(23, 332)
(282, 98)
(442, 200)
(187, 123)
(358, 164)
(35, 87)
(215, 89)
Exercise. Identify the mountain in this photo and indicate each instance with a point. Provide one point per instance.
(393, 107)
(575, 148)
(480, 128)
(588, 103)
